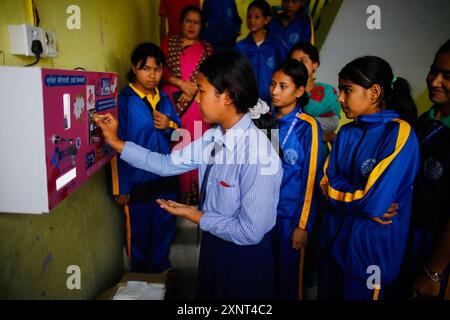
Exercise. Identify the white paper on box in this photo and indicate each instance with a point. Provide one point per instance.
(139, 290)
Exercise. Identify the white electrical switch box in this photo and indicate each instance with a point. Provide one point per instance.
(20, 38)
(49, 44)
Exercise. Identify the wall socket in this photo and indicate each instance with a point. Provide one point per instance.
(21, 36)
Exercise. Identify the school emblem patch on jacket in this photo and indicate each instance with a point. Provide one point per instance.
(290, 156)
(433, 169)
(271, 62)
(294, 37)
(367, 167)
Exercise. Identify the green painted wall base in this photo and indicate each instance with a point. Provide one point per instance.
(84, 230)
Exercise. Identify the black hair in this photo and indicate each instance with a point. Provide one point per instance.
(263, 6)
(232, 72)
(396, 93)
(187, 9)
(444, 48)
(307, 48)
(140, 55)
(266, 122)
(299, 75)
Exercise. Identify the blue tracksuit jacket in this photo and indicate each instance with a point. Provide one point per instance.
(297, 30)
(136, 125)
(302, 165)
(300, 141)
(223, 23)
(372, 164)
(264, 59)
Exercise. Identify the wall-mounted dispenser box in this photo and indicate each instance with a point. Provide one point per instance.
(49, 142)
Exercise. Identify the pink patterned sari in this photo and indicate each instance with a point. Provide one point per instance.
(190, 57)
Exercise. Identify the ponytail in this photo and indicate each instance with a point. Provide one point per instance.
(262, 117)
(303, 100)
(401, 101)
(266, 123)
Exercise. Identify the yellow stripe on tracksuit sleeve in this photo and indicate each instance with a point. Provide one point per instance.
(403, 135)
(115, 177)
(324, 181)
(312, 170)
(376, 293)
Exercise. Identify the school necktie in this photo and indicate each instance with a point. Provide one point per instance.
(217, 147)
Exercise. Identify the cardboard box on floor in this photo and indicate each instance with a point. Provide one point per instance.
(165, 278)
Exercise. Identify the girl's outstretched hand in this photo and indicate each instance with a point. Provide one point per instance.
(182, 210)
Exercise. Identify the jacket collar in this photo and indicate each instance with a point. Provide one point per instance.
(377, 118)
(431, 114)
(129, 92)
(289, 116)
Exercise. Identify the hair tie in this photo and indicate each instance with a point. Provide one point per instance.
(394, 79)
(260, 108)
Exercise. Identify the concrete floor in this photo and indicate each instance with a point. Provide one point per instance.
(184, 254)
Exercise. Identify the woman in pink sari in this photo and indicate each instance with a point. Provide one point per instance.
(185, 52)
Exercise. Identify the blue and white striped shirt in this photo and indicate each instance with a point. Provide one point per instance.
(243, 187)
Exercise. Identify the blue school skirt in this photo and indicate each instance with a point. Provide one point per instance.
(230, 271)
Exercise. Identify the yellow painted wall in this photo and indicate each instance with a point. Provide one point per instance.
(87, 228)
(422, 101)
(109, 31)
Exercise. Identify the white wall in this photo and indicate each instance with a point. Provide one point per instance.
(411, 32)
